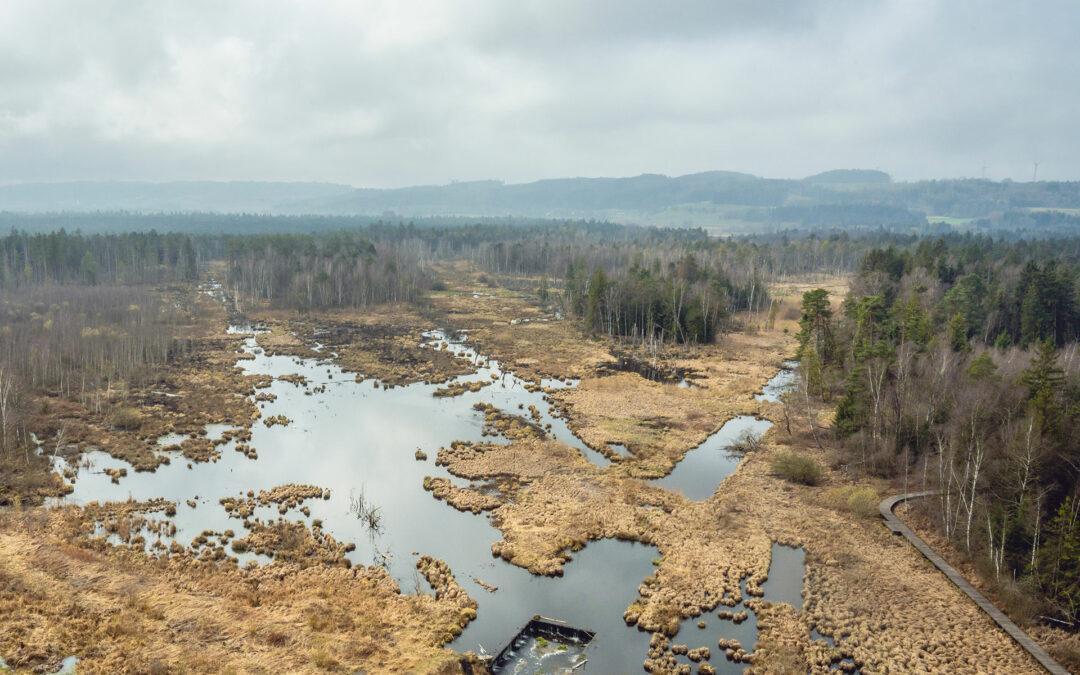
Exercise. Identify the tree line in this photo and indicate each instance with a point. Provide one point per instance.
(72, 258)
(343, 269)
(953, 365)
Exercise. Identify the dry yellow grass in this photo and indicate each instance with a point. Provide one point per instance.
(513, 329)
(887, 607)
(122, 612)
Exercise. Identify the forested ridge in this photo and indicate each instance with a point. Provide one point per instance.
(953, 365)
(871, 194)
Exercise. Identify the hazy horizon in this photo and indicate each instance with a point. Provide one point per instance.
(7, 183)
(399, 94)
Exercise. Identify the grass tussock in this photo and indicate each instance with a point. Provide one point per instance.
(796, 468)
(1066, 650)
(324, 661)
(861, 501)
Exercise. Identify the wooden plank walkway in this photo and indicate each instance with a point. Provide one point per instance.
(1023, 639)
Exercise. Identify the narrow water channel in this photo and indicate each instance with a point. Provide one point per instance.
(779, 383)
(786, 570)
(702, 469)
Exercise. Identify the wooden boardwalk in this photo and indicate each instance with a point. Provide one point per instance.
(1023, 639)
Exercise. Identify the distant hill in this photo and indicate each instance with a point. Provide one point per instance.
(717, 199)
(850, 177)
(562, 196)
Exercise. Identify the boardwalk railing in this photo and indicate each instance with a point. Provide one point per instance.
(1023, 639)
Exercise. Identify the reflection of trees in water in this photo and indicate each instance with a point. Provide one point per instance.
(365, 511)
(370, 515)
(382, 558)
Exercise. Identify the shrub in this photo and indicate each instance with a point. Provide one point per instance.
(861, 501)
(796, 468)
(747, 442)
(127, 419)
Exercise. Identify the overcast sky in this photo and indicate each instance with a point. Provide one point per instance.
(400, 92)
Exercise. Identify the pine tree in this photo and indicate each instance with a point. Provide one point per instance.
(1030, 309)
(852, 410)
(914, 322)
(1045, 380)
(594, 311)
(190, 263)
(958, 338)
(815, 326)
(1059, 559)
(982, 367)
(88, 269)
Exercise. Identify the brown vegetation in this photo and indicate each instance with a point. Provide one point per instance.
(459, 388)
(200, 386)
(875, 595)
(381, 343)
(462, 499)
(122, 612)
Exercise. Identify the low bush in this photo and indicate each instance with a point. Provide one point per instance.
(796, 468)
(860, 501)
(747, 442)
(127, 419)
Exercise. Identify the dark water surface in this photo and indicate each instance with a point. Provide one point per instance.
(786, 571)
(699, 473)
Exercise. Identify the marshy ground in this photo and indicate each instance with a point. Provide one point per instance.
(70, 585)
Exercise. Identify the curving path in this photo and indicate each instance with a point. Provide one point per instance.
(898, 527)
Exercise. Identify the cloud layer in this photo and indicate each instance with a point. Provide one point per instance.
(403, 92)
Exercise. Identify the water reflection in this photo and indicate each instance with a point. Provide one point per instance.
(701, 470)
(358, 438)
(786, 571)
(780, 383)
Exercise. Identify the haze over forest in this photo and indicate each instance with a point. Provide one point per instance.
(719, 201)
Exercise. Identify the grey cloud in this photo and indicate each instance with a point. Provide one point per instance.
(395, 93)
